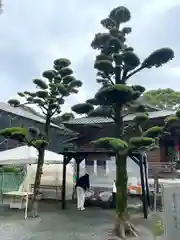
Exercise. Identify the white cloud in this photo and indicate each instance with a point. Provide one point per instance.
(34, 33)
(175, 72)
(156, 7)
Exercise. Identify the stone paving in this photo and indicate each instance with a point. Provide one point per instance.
(70, 224)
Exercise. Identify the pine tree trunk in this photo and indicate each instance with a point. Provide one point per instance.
(35, 205)
(123, 226)
(39, 171)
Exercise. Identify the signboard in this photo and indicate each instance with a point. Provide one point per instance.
(171, 205)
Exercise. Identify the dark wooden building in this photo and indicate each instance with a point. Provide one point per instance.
(19, 117)
(91, 128)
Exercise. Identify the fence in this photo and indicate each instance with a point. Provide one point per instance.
(11, 181)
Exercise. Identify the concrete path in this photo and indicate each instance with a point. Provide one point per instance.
(70, 224)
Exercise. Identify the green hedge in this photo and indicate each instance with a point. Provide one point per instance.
(11, 169)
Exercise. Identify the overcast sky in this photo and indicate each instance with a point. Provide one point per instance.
(34, 33)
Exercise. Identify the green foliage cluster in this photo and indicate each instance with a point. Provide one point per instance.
(14, 133)
(141, 141)
(141, 118)
(171, 119)
(117, 93)
(52, 89)
(172, 124)
(6, 169)
(82, 108)
(153, 132)
(113, 144)
(31, 137)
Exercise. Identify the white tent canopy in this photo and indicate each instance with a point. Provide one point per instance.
(28, 155)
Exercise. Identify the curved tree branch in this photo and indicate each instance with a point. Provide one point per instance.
(113, 117)
(42, 109)
(126, 114)
(110, 80)
(53, 112)
(124, 75)
(134, 72)
(27, 103)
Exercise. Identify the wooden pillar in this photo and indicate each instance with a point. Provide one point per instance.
(63, 192)
(163, 150)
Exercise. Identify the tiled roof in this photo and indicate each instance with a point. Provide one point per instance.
(26, 114)
(89, 120)
(100, 120)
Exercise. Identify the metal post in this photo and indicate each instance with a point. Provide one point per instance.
(138, 159)
(144, 199)
(77, 168)
(74, 178)
(146, 180)
(63, 193)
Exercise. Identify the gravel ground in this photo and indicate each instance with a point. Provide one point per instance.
(70, 224)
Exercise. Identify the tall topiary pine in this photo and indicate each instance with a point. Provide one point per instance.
(116, 63)
(52, 90)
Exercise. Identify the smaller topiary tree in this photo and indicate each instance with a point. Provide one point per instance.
(49, 97)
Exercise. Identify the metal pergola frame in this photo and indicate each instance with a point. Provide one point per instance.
(140, 160)
(79, 157)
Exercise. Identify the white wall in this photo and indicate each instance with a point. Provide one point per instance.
(52, 175)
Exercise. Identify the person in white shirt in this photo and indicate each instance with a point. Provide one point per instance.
(114, 194)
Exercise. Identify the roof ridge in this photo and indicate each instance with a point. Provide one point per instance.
(23, 113)
(101, 119)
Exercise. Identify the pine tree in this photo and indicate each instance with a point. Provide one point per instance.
(52, 90)
(117, 63)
